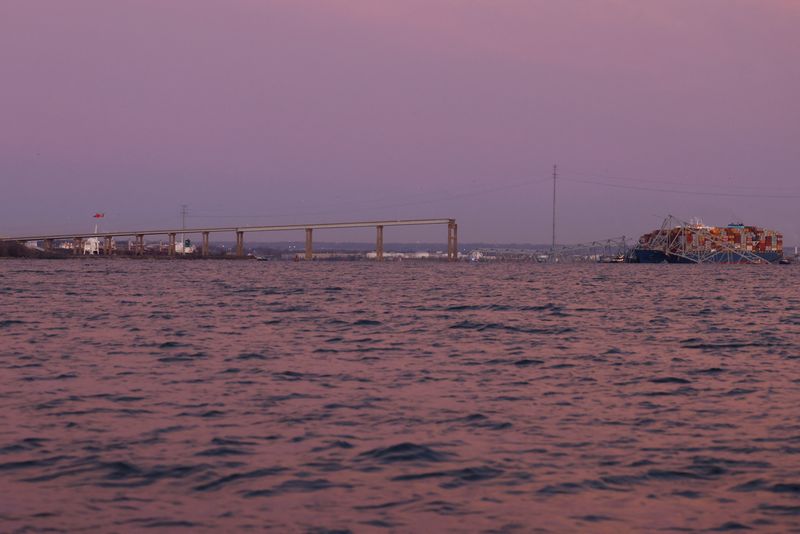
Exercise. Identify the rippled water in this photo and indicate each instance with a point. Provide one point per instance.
(224, 395)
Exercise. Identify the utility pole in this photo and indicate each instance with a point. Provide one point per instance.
(555, 176)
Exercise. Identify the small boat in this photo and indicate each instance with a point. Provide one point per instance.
(620, 258)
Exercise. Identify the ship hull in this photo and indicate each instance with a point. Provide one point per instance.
(658, 256)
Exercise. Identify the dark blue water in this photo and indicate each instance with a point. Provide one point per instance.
(232, 395)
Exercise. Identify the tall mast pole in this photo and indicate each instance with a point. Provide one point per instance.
(555, 176)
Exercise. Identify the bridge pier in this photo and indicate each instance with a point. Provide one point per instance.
(379, 244)
(309, 244)
(239, 243)
(137, 247)
(452, 241)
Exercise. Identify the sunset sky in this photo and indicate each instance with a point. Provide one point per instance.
(292, 111)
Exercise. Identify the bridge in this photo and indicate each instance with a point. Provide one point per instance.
(604, 250)
(239, 231)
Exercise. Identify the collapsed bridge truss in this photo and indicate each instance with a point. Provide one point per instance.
(693, 242)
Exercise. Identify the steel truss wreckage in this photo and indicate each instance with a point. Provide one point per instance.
(678, 241)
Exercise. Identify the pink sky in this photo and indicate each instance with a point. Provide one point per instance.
(290, 111)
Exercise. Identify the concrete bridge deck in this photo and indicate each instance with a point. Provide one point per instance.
(239, 231)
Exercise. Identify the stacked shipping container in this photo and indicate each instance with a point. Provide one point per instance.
(688, 240)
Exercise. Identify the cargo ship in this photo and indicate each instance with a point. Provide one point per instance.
(694, 242)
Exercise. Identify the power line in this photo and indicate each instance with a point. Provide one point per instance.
(595, 175)
(683, 192)
(444, 198)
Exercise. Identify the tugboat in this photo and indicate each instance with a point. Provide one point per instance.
(619, 258)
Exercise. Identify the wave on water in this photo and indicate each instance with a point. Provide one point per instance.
(328, 398)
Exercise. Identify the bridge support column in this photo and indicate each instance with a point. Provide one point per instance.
(139, 245)
(109, 245)
(205, 244)
(452, 241)
(77, 246)
(379, 244)
(309, 244)
(48, 245)
(455, 242)
(240, 244)
(172, 244)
